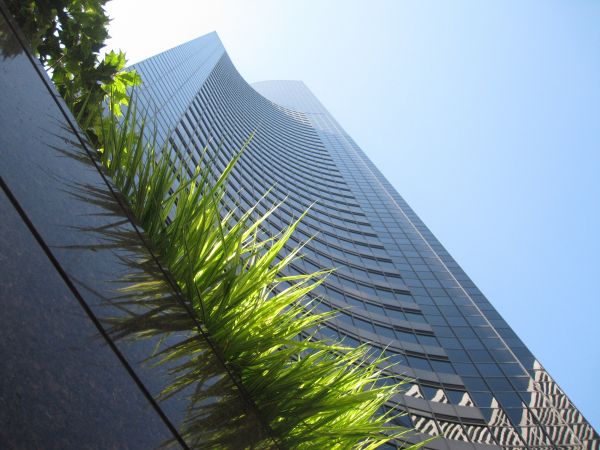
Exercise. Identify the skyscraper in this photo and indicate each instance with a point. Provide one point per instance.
(474, 382)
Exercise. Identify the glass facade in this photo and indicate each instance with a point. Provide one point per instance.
(474, 383)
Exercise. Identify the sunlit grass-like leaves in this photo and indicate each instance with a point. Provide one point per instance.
(309, 393)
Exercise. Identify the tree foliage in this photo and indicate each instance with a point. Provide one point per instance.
(67, 36)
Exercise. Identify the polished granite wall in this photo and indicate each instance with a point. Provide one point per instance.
(76, 371)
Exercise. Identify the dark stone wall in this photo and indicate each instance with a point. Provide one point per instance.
(78, 353)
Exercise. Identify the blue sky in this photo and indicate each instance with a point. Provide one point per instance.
(485, 116)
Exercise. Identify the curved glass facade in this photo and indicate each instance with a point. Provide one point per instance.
(475, 384)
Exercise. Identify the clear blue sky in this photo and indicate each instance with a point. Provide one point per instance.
(484, 115)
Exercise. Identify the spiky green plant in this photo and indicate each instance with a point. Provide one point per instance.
(309, 393)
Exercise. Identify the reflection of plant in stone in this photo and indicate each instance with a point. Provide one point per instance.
(216, 414)
(67, 35)
(310, 393)
(257, 323)
(151, 315)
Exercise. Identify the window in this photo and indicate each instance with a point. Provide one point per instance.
(406, 337)
(442, 366)
(363, 324)
(375, 309)
(455, 397)
(489, 370)
(385, 331)
(418, 363)
(427, 340)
